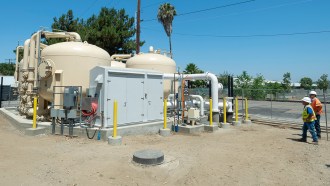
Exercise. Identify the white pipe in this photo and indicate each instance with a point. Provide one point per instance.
(26, 55)
(37, 59)
(32, 61)
(214, 84)
(18, 48)
(121, 56)
(201, 102)
(75, 35)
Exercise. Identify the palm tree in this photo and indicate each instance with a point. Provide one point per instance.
(166, 13)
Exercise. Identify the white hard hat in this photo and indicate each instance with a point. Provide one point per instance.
(312, 93)
(306, 99)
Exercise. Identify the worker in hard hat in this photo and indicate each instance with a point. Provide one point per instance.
(308, 117)
(317, 107)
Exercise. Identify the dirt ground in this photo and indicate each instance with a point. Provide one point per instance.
(256, 155)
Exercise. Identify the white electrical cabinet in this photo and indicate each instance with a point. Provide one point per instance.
(139, 94)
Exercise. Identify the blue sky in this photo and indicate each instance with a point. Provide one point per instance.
(302, 55)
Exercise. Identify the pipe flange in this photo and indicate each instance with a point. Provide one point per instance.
(45, 69)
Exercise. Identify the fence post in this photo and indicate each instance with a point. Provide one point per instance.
(326, 117)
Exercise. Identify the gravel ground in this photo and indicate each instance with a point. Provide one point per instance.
(255, 155)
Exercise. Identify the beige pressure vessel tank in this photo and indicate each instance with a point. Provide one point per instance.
(156, 62)
(68, 64)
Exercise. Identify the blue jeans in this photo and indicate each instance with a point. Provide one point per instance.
(317, 125)
(309, 126)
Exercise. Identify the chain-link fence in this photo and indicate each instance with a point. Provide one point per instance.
(9, 96)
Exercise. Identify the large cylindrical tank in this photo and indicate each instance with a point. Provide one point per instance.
(68, 64)
(156, 62)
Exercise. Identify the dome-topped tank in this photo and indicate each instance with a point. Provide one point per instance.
(68, 64)
(156, 62)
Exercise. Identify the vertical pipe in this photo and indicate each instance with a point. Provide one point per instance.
(211, 114)
(236, 109)
(174, 102)
(232, 86)
(229, 88)
(165, 113)
(224, 110)
(138, 27)
(182, 99)
(326, 117)
(246, 109)
(1, 90)
(35, 100)
(115, 106)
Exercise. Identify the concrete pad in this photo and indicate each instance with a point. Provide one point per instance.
(35, 131)
(236, 123)
(248, 122)
(209, 128)
(224, 125)
(188, 129)
(114, 141)
(164, 132)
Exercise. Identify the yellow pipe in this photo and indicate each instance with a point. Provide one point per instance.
(246, 109)
(35, 100)
(115, 106)
(165, 113)
(224, 110)
(211, 114)
(236, 109)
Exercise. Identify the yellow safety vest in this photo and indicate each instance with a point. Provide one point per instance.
(305, 114)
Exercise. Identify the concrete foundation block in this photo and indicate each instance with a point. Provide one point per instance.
(224, 125)
(209, 128)
(114, 141)
(164, 132)
(191, 129)
(236, 123)
(34, 132)
(248, 122)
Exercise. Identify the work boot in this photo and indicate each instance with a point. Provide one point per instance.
(315, 143)
(319, 136)
(303, 140)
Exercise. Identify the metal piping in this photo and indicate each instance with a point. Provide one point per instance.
(26, 55)
(201, 102)
(206, 76)
(16, 64)
(32, 62)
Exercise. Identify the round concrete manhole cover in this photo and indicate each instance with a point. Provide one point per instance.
(148, 157)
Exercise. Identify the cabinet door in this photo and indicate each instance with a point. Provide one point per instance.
(135, 97)
(154, 91)
(117, 91)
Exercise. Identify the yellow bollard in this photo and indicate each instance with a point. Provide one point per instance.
(115, 106)
(236, 109)
(35, 100)
(246, 109)
(224, 110)
(165, 113)
(211, 114)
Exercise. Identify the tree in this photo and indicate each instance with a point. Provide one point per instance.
(7, 69)
(286, 83)
(243, 82)
(111, 29)
(223, 78)
(323, 83)
(306, 83)
(166, 13)
(257, 87)
(192, 68)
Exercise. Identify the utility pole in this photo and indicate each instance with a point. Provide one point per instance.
(9, 60)
(138, 27)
